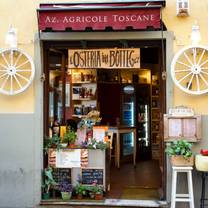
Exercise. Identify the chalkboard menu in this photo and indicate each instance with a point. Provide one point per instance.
(62, 175)
(90, 176)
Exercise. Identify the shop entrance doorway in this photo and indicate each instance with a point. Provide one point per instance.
(124, 97)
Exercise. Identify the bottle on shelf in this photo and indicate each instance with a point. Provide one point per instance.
(55, 128)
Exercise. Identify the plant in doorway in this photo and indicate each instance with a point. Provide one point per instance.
(66, 190)
(95, 191)
(80, 191)
(70, 138)
(47, 182)
(181, 153)
(52, 142)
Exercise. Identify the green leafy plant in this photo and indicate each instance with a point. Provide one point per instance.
(180, 147)
(80, 189)
(96, 189)
(48, 180)
(97, 145)
(53, 142)
(70, 137)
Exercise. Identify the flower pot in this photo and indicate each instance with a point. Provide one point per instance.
(79, 196)
(92, 195)
(98, 196)
(45, 195)
(66, 195)
(72, 146)
(64, 145)
(179, 160)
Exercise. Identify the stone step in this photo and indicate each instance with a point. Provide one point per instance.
(105, 203)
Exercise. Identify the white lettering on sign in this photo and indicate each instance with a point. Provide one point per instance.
(84, 19)
(100, 19)
(51, 19)
(132, 18)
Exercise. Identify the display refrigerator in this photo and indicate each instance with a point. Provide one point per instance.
(135, 112)
(128, 117)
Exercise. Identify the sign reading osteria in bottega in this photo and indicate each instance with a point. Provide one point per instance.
(104, 58)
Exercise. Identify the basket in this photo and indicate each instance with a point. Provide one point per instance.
(179, 160)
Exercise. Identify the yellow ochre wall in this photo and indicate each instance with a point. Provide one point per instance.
(181, 26)
(22, 15)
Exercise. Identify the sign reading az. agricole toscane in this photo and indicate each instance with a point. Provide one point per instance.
(104, 58)
(99, 19)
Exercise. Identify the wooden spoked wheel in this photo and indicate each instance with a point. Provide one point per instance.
(16, 71)
(189, 69)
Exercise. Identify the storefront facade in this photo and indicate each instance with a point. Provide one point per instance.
(22, 116)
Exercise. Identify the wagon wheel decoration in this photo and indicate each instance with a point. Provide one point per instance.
(16, 71)
(189, 69)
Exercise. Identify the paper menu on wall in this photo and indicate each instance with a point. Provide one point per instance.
(189, 127)
(99, 133)
(175, 127)
(68, 158)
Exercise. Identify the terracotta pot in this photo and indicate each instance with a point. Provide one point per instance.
(79, 196)
(72, 146)
(179, 160)
(98, 196)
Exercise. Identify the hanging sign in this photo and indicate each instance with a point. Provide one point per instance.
(98, 17)
(104, 58)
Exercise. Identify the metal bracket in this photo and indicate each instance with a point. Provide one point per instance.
(42, 77)
(164, 75)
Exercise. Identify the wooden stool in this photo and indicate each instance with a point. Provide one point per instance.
(110, 140)
(182, 197)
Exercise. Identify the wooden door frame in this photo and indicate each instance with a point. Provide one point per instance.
(156, 35)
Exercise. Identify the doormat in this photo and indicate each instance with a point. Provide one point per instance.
(140, 193)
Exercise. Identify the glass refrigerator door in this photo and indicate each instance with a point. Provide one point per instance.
(143, 123)
(128, 114)
(128, 120)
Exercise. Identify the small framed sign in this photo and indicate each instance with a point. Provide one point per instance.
(181, 111)
(183, 127)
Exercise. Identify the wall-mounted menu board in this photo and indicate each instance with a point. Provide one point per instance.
(91, 175)
(62, 175)
(188, 128)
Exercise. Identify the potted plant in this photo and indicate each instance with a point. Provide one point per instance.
(93, 144)
(180, 152)
(95, 191)
(80, 191)
(53, 142)
(98, 192)
(66, 190)
(48, 182)
(70, 137)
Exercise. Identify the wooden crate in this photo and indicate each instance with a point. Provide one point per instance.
(188, 128)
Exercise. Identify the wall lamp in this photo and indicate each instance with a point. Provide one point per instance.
(11, 37)
(195, 34)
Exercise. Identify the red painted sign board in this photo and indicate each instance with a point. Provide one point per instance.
(117, 19)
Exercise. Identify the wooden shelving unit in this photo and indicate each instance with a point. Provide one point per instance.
(155, 117)
(84, 92)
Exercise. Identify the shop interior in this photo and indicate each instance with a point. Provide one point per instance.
(124, 97)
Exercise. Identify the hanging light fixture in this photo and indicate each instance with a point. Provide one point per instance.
(11, 37)
(195, 34)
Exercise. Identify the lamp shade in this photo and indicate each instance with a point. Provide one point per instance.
(195, 35)
(11, 37)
